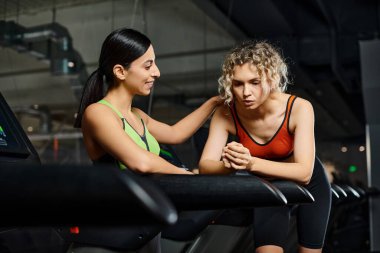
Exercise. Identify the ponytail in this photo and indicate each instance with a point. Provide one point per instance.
(92, 92)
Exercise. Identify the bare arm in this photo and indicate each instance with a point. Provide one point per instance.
(210, 162)
(300, 170)
(106, 133)
(184, 128)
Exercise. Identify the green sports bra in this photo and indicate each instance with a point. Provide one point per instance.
(145, 141)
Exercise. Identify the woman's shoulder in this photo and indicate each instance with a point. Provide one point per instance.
(223, 118)
(223, 115)
(98, 112)
(302, 103)
(301, 106)
(297, 102)
(96, 108)
(301, 111)
(223, 110)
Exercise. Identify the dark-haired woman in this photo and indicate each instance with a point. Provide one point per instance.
(113, 130)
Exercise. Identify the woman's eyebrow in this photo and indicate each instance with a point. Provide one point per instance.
(255, 79)
(250, 80)
(149, 62)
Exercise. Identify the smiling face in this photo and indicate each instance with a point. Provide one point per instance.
(248, 86)
(142, 73)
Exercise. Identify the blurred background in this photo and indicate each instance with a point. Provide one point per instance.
(48, 49)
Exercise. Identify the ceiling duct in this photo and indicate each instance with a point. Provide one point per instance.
(51, 42)
(11, 35)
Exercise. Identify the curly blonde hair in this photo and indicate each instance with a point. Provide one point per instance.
(261, 54)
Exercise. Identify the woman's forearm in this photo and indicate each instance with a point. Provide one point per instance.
(152, 164)
(213, 167)
(241, 159)
(187, 126)
(291, 171)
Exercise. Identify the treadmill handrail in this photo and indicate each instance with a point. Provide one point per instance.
(202, 192)
(294, 193)
(339, 190)
(65, 195)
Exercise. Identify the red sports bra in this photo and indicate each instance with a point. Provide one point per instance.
(279, 147)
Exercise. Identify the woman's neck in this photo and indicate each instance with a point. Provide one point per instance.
(120, 99)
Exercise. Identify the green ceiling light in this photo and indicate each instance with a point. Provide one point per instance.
(352, 168)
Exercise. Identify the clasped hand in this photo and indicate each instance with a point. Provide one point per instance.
(236, 156)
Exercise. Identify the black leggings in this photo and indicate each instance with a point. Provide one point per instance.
(271, 223)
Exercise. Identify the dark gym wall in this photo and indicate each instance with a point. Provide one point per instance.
(370, 62)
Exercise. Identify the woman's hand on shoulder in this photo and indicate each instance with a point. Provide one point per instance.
(217, 100)
(222, 110)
